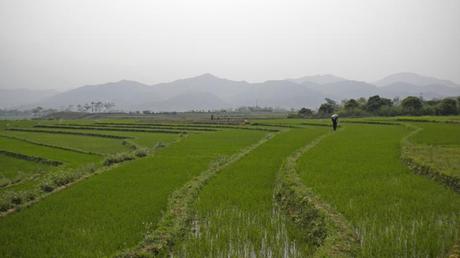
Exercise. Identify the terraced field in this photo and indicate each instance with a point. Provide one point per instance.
(273, 188)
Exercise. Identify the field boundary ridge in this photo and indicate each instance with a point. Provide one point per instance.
(324, 227)
(425, 170)
(36, 159)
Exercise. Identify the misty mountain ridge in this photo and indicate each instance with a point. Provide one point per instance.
(414, 79)
(209, 92)
(319, 79)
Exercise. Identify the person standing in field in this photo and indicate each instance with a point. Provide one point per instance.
(335, 121)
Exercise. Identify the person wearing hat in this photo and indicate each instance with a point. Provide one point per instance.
(335, 121)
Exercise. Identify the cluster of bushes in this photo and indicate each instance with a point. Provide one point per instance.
(131, 145)
(379, 106)
(118, 158)
(9, 200)
(62, 178)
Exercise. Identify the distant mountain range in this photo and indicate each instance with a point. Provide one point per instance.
(207, 91)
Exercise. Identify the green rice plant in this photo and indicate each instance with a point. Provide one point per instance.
(139, 138)
(245, 190)
(437, 134)
(233, 232)
(14, 135)
(196, 125)
(107, 212)
(95, 128)
(395, 213)
(141, 126)
(66, 132)
(78, 143)
(14, 170)
(68, 158)
(31, 158)
(173, 224)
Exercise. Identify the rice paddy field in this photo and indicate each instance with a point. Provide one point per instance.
(376, 187)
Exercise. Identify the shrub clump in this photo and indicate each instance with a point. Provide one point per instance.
(159, 145)
(141, 152)
(9, 200)
(118, 158)
(62, 178)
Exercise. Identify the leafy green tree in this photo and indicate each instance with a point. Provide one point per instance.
(375, 103)
(37, 111)
(326, 109)
(332, 102)
(447, 107)
(305, 112)
(351, 105)
(412, 105)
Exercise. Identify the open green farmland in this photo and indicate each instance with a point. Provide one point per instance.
(394, 212)
(85, 143)
(358, 171)
(120, 129)
(70, 158)
(141, 138)
(235, 213)
(110, 211)
(28, 179)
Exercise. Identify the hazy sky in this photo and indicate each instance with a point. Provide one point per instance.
(64, 44)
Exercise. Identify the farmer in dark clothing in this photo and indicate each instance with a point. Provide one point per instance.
(335, 120)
